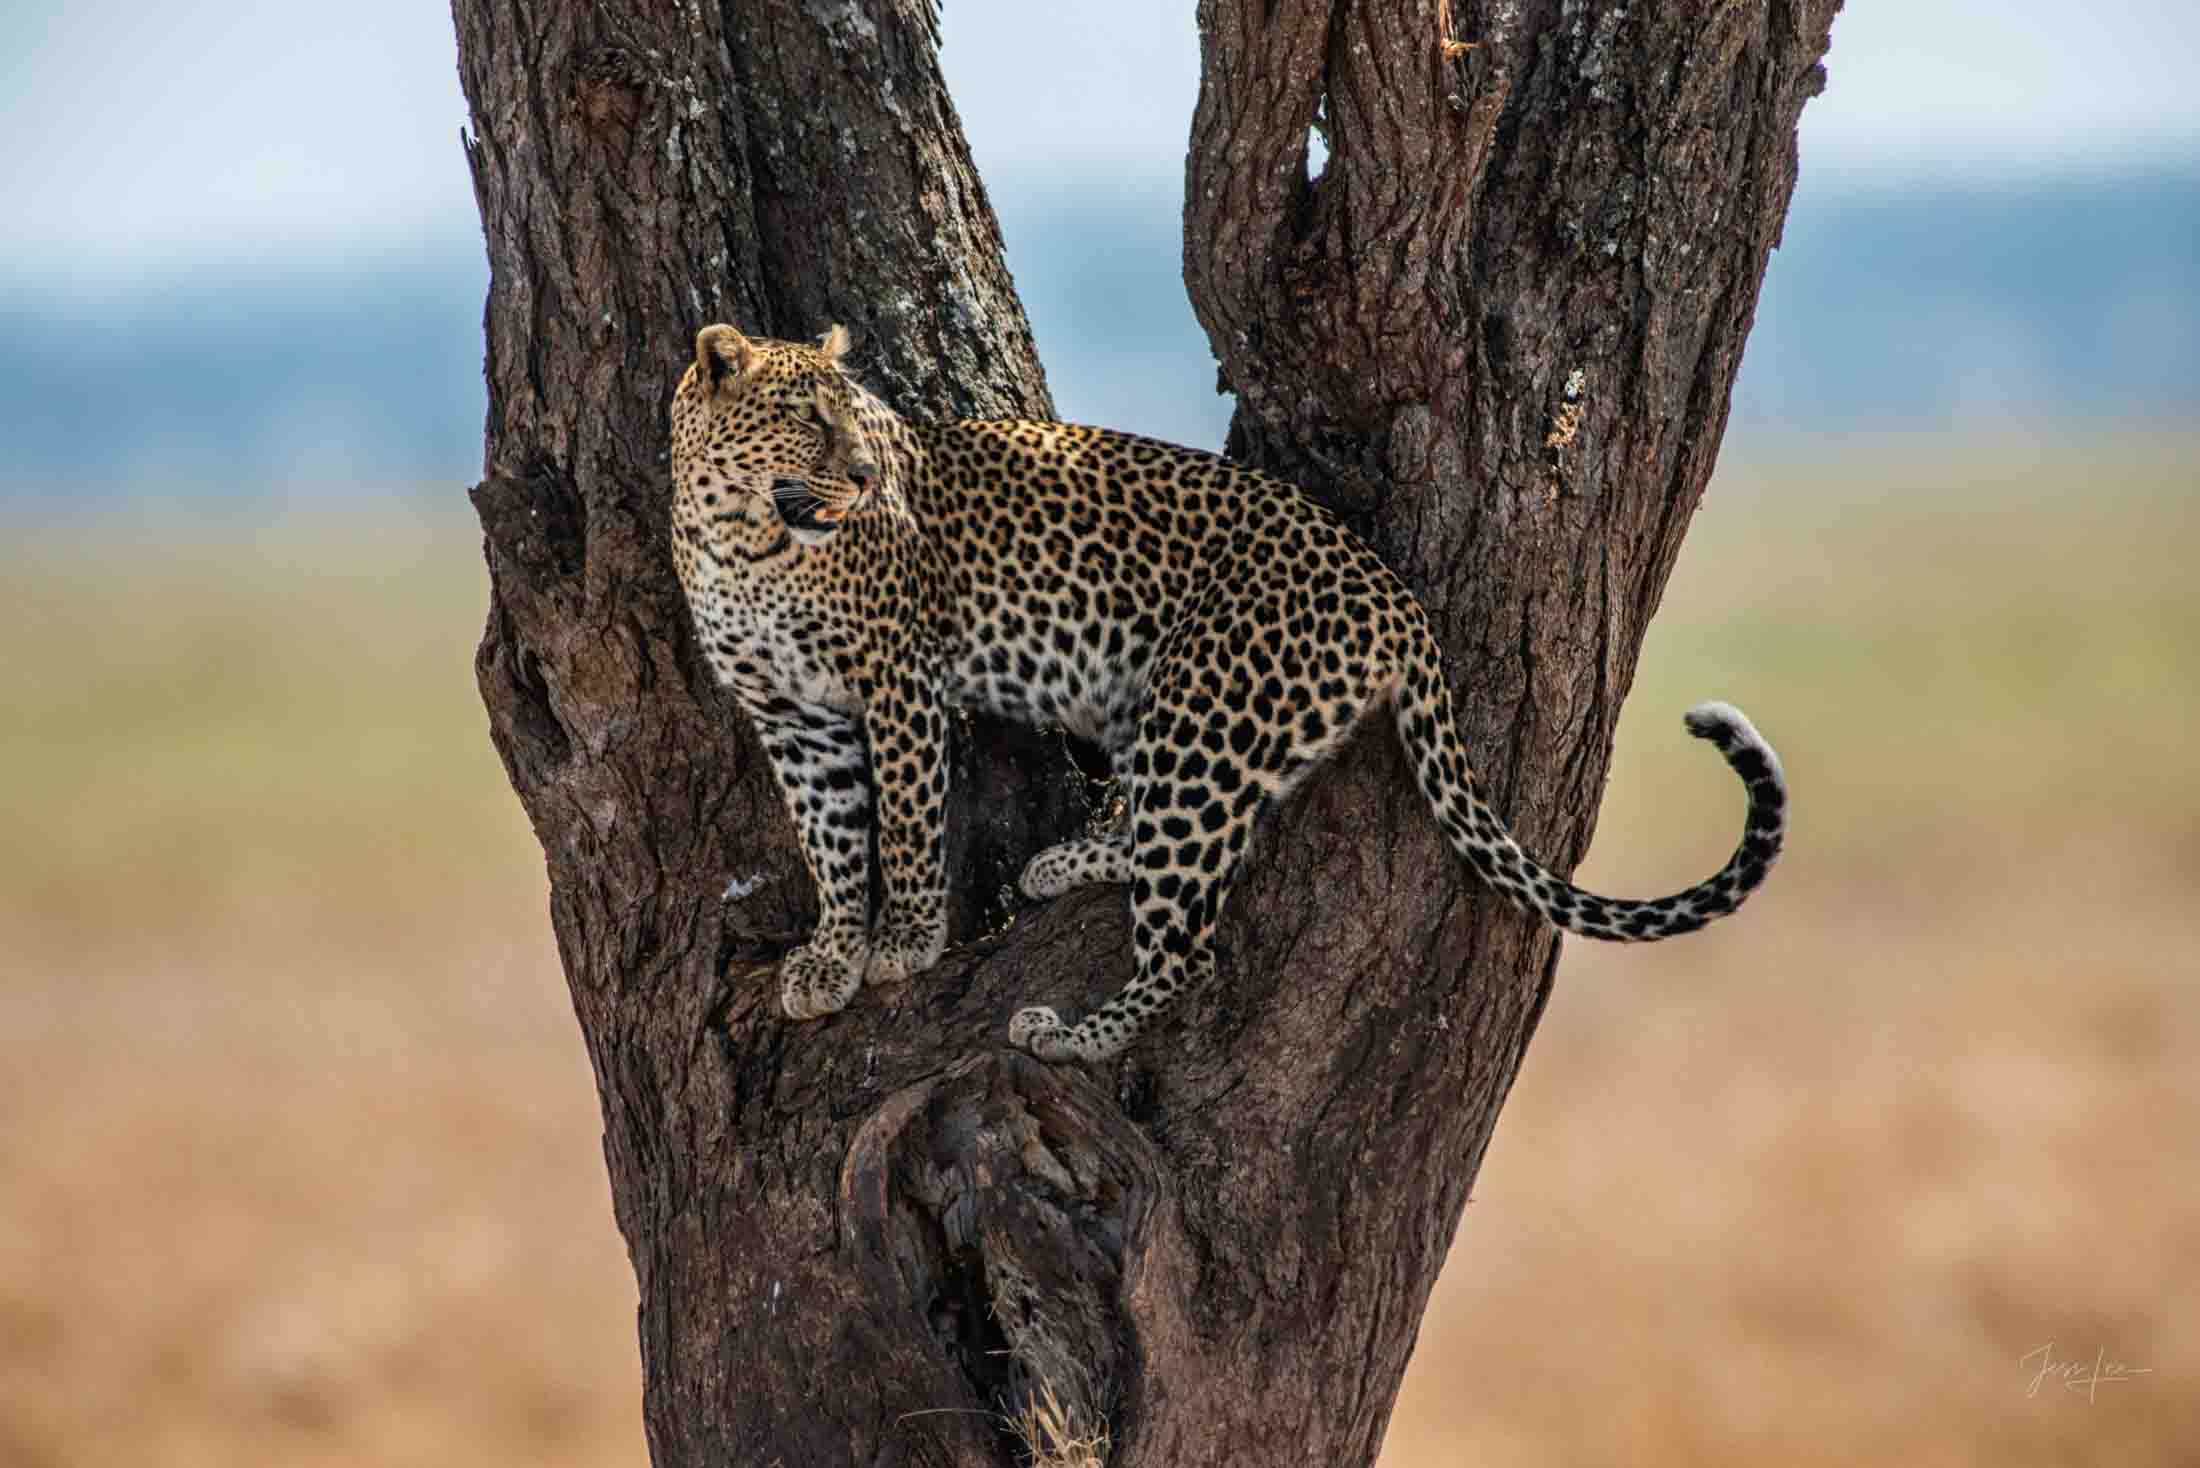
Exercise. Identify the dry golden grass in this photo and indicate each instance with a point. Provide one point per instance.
(1054, 1436)
(298, 1134)
(301, 1152)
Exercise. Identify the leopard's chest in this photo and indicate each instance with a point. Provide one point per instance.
(767, 646)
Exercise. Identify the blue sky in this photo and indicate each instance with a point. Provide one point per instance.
(259, 214)
(144, 137)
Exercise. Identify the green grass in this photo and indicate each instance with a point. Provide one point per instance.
(205, 717)
(1938, 646)
(241, 714)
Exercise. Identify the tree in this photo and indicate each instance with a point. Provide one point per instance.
(1497, 331)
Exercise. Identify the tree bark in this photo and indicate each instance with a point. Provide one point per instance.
(1497, 331)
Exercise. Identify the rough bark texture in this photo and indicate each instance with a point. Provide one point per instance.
(1498, 331)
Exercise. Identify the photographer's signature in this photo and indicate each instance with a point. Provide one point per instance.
(2076, 1375)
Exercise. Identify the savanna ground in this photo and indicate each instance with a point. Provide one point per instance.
(300, 1153)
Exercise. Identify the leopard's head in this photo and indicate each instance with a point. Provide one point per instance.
(758, 423)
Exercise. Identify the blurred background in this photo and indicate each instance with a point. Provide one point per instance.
(298, 1148)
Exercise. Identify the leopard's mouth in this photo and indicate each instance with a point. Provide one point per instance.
(802, 509)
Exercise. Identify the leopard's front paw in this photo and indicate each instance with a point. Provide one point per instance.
(904, 947)
(1041, 1031)
(818, 979)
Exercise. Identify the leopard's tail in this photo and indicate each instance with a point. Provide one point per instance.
(1425, 725)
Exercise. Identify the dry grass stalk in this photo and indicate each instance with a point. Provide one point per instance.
(1054, 1437)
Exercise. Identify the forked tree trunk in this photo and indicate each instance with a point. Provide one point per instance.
(1498, 332)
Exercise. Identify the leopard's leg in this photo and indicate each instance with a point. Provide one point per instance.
(1228, 732)
(907, 719)
(820, 757)
(1188, 834)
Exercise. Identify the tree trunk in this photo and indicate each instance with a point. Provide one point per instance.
(1497, 332)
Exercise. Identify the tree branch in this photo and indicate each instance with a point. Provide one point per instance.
(864, 1239)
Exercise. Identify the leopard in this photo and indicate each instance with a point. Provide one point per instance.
(855, 578)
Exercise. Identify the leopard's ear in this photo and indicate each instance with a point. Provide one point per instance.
(722, 352)
(836, 342)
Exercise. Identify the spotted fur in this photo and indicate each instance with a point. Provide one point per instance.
(854, 576)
